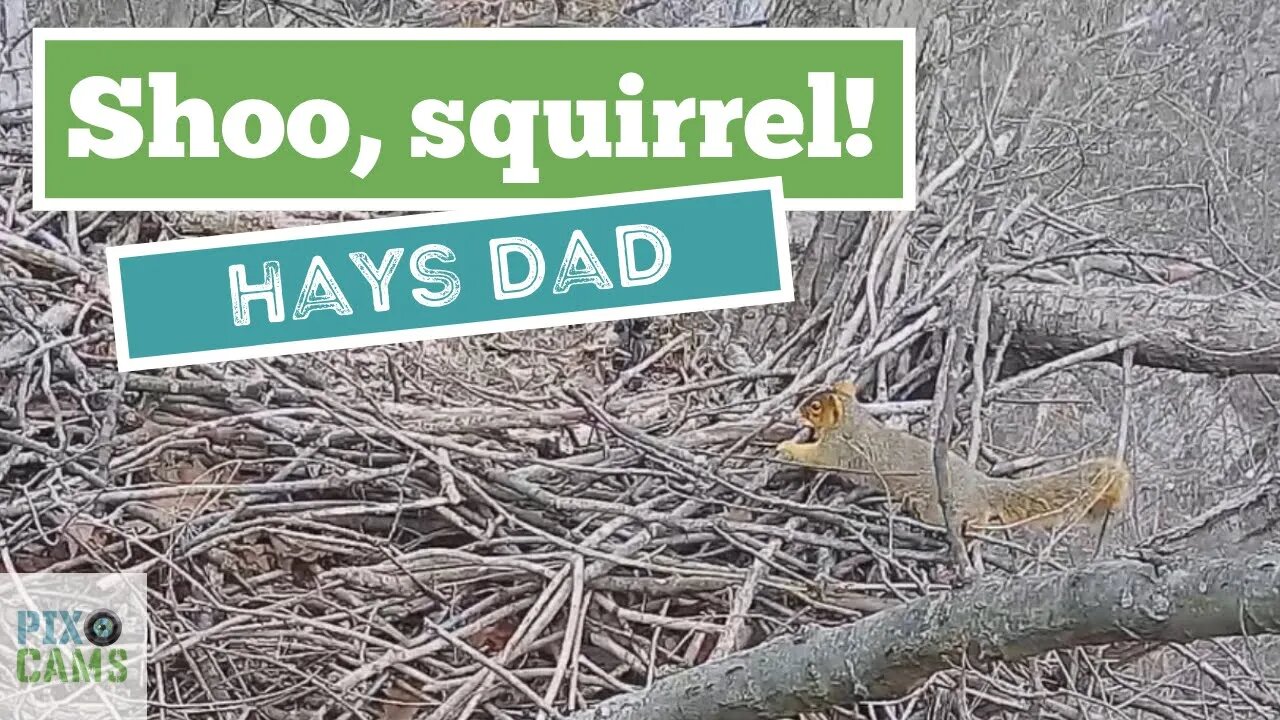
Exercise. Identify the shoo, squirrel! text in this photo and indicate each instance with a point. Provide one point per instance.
(396, 119)
(512, 130)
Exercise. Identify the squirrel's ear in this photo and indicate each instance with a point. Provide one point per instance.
(846, 388)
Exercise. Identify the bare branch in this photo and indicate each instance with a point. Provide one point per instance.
(1226, 335)
(997, 619)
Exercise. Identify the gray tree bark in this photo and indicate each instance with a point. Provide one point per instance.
(811, 13)
(125, 13)
(1222, 335)
(887, 654)
(15, 87)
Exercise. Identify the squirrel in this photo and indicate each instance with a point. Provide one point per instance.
(846, 438)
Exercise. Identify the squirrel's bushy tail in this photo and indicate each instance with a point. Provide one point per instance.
(1089, 492)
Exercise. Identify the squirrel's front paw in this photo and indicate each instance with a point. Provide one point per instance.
(787, 450)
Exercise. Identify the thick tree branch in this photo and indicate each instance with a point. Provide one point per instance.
(886, 655)
(1222, 335)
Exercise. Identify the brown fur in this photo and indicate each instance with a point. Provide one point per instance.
(849, 440)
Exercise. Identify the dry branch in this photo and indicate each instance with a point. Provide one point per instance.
(891, 652)
(1218, 335)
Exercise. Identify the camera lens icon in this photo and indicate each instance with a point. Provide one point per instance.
(102, 628)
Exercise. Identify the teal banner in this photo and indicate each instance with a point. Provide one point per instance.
(439, 275)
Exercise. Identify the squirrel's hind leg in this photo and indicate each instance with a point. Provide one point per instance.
(1102, 533)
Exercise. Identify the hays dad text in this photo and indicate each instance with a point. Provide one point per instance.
(244, 119)
(447, 274)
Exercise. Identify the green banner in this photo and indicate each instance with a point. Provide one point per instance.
(245, 119)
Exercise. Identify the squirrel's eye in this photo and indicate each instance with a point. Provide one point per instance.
(815, 406)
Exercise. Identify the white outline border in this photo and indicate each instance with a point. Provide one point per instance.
(127, 363)
(40, 35)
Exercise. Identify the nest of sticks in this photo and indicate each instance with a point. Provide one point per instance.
(494, 525)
